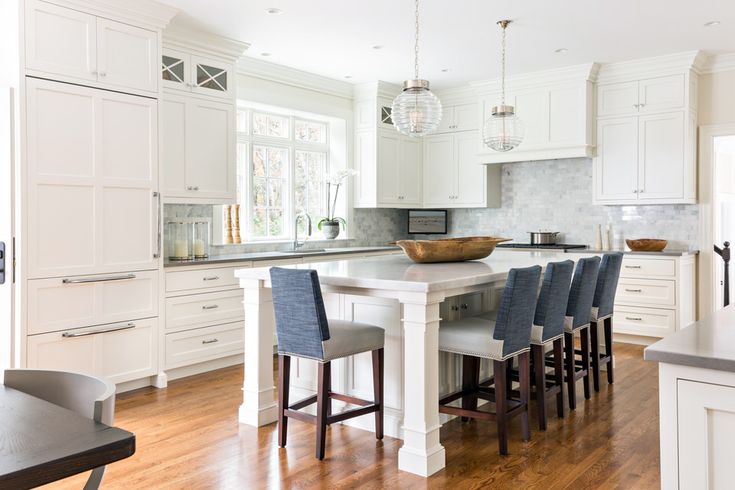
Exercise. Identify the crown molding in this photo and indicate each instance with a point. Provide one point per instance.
(148, 13)
(655, 66)
(294, 77)
(717, 63)
(181, 35)
(586, 72)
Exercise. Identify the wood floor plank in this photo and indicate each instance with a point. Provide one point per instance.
(189, 438)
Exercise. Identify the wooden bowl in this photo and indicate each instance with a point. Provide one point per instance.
(647, 244)
(450, 249)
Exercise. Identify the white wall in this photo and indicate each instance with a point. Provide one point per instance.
(717, 98)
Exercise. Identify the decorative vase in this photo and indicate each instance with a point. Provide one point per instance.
(330, 230)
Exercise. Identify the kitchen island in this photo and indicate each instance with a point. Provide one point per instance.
(697, 403)
(406, 300)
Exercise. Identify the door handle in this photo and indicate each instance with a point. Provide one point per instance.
(2, 262)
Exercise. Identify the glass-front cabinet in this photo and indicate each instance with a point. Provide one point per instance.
(191, 73)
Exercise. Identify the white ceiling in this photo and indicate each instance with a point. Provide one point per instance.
(335, 37)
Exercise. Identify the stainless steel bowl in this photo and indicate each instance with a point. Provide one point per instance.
(543, 237)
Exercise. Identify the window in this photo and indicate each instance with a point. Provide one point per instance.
(282, 163)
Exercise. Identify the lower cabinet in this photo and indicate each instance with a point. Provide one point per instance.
(203, 344)
(119, 352)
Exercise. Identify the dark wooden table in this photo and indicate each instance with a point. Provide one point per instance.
(41, 442)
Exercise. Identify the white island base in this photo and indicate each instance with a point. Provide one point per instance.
(408, 300)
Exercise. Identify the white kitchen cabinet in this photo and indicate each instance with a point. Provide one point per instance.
(119, 352)
(92, 203)
(203, 344)
(650, 95)
(184, 71)
(198, 149)
(616, 165)
(662, 158)
(453, 176)
(70, 45)
(459, 117)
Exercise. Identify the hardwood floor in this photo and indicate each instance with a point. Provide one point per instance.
(188, 437)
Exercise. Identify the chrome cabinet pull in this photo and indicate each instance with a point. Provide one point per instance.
(117, 328)
(159, 244)
(84, 280)
(634, 318)
(465, 306)
(632, 266)
(634, 290)
(210, 307)
(210, 278)
(192, 188)
(212, 341)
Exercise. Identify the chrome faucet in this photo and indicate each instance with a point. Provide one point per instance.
(296, 244)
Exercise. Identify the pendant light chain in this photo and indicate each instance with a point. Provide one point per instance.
(502, 61)
(416, 45)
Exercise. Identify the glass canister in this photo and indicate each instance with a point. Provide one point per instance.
(177, 240)
(200, 239)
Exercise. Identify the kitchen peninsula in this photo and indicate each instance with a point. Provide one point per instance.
(408, 300)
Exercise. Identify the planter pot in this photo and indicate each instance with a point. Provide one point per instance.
(330, 230)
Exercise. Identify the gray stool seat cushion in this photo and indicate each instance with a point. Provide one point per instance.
(347, 338)
(473, 336)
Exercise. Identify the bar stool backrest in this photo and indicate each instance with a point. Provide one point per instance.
(301, 320)
(579, 306)
(515, 314)
(551, 307)
(607, 284)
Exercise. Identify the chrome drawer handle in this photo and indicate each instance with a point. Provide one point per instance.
(465, 306)
(634, 290)
(117, 328)
(634, 318)
(212, 341)
(210, 307)
(84, 280)
(632, 266)
(210, 278)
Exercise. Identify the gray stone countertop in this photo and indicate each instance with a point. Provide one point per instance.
(274, 255)
(708, 343)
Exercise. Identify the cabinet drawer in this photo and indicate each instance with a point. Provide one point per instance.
(119, 352)
(652, 322)
(203, 344)
(204, 309)
(637, 267)
(57, 304)
(201, 279)
(646, 292)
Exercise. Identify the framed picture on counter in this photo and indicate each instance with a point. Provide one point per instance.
(427, 221)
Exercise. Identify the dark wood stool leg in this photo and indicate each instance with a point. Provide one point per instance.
(284, 377)
(595, 356)
(539, 379)
(378, 371)
(322, 399)
(524, 375)
(328, 385)
(569, 361)
(509, 378)
(501, 405)
(470, 381)
(585, 339)
(559, 375)
(609, 348)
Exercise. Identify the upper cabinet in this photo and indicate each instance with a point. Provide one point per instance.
(459, 117)
(69, 45)
(646, 132)
(199, 75)
(556, 108)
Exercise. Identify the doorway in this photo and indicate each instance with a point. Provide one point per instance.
(723, 208)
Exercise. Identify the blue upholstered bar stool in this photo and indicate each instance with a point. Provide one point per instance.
(579, 309)
(501, 341)
(602, 311)
(304, 331)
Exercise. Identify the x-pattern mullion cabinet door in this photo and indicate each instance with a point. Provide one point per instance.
(209, 77)
(91, 207)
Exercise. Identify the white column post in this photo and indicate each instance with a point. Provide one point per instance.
(258, 406)
(422, 453)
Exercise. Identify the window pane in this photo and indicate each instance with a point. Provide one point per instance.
(242, 166)
(259, 161)
(260, 123)
(310, 132)
(259, 223)
(259, 192)
(242, 121)
(275, 193)
(277, 158)
(275, 222)
(278, 126)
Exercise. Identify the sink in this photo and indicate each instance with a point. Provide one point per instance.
(302, 252)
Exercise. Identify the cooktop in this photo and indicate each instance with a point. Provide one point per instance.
(554, 246)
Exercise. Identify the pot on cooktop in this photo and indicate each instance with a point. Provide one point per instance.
(543, 237)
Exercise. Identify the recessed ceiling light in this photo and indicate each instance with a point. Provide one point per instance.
(348, 76)
(712, 23)
(274, 11)
(265, 54)
(378, 46)
(444, 70)
(561, 50)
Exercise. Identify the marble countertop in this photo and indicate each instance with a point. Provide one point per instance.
(664, 253)
(274, 255)
(399, 273)
(708, 343)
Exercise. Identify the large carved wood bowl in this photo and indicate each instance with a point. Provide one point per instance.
(647, 244)
(450, 249)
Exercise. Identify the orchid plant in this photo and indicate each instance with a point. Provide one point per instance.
(334, 182)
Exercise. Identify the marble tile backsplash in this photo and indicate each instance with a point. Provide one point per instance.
(557, 196)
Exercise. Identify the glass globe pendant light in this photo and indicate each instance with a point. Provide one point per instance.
(503, 131)
(416, 111)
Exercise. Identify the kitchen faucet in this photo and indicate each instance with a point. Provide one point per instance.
(296, 243)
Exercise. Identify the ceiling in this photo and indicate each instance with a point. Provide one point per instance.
(459, 39)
